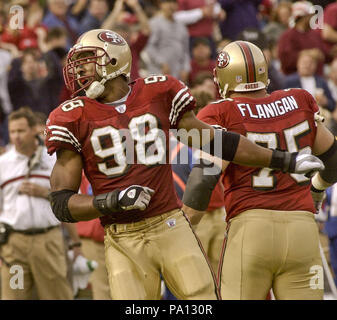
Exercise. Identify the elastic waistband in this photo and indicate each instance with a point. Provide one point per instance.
(33, 231)
(123, 227)
(277, 214)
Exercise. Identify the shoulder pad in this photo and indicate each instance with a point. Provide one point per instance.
(70, 110)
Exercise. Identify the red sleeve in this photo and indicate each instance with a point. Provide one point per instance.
(181, 5)
(287, 53)
(140, 43)
(330, 16)
(62, 127)
(91, 229)
(210, 115)
(179, 98)
(311, 101)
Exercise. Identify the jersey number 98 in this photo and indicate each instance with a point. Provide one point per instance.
(144, 137)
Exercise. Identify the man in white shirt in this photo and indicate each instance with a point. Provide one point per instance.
(35, 243)
(168, 45)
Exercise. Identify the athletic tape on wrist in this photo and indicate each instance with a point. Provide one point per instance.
(107, 203)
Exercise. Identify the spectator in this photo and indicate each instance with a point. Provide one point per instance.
(256, 37)
(330, 226)
(200, 16)
(201, 58)
(6, 105)
(329, 31)
(307, 79)
(221, 44)
(2, 121)
(34, 240)
(240, 14)
(205, 89)
(32, 31)
(56, 38)
(28, 76)
(59, 16)
(298, 38)
(95, 15)
(279, 21)
(40, 119)
(55, 56)
(332, 83)
(135, 29)
(168, 47)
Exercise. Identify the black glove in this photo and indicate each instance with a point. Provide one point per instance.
(318, 196)
(134, 197)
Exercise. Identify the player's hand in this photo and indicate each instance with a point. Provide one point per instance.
(306, 163)
(318, 196)
(135, 197)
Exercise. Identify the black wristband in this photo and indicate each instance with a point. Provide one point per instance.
(223, 145)
(284, 161)
(316, 190)
(329, 158)
(107, 203)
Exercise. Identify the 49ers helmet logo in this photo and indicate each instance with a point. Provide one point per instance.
(111, 37)
(223, 59)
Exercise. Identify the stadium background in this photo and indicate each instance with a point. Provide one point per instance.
(33, 53)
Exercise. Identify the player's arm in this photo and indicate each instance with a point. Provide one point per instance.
(325, 147)
(200, 185)
(233, 147)
(65, 180)
(69, 206)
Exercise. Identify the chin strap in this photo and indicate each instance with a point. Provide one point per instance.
(95, 89)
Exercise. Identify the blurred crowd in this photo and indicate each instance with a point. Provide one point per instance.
(177, 37)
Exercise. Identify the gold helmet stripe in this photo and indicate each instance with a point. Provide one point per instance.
(249, 61)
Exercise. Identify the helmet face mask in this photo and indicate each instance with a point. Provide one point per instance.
(77, 58)
(107, 51)
(240, 67)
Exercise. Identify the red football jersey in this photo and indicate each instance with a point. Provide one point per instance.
(284, 120)
(116, 158)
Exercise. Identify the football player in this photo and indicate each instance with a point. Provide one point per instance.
(272, 238)
(118, 133)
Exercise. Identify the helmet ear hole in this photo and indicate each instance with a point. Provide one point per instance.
(113, 61)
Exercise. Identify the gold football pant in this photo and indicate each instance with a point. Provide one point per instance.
(211, 232)
(137, 254)
(269, 249)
